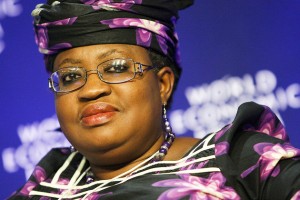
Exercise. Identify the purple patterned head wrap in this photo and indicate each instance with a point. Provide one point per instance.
(64, 24)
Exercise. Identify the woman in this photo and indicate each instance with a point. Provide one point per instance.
(114, 68)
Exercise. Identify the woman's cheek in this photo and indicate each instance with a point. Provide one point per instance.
(65, 108)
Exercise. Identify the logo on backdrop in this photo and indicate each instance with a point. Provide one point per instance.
(36, 140)
(212, 105)
(8, 8)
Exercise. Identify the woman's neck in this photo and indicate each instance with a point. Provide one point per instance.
(110, 171)
(180, 147)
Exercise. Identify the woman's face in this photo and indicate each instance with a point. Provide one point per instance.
(112, 123)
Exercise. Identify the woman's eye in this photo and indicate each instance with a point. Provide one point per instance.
(116, 68)
(70, 78)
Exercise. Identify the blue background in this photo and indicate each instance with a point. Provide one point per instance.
(218, 38)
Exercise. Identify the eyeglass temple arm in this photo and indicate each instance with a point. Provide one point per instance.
(140, 69)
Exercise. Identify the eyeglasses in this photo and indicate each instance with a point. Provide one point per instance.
(119, 70)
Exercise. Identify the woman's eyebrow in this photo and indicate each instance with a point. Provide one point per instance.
(101, 56)
(69, 61)
(109, 53)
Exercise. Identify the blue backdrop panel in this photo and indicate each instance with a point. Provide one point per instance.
(232, 52)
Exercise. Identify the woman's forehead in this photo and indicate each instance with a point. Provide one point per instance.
(99, 53)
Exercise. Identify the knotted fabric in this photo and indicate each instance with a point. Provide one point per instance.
(65, 24)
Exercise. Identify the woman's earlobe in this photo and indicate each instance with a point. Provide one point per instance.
(166, 82)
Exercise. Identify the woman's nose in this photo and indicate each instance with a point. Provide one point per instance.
(94, 88)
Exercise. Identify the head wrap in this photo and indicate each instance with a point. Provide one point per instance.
(65, 24)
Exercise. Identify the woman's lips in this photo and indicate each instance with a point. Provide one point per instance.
(97, 114)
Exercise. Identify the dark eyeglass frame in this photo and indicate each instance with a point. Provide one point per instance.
(138, 69)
